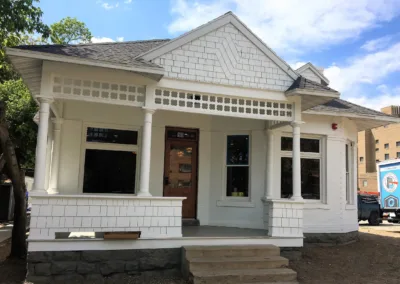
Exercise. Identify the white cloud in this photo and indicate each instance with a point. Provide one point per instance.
(107, 5)
(120, 38)
(128, 1)
(290, 25)
(385, 96)
(376, 44)
(297, 65)
(367, 69)
(101, 39)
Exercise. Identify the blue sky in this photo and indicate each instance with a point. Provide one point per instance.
(357, 42)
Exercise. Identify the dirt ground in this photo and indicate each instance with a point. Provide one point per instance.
(375, 259)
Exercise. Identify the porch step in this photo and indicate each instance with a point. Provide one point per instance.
(255, 262)
(244, 276)
(251, 264)
(231, 251)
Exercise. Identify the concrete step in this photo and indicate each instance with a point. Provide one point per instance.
(252, 276)
(253, 262)
(231, 251)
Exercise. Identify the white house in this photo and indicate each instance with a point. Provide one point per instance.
(212, 127)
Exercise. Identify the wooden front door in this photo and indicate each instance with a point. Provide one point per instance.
(180, 169)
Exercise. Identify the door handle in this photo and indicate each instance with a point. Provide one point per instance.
(166, 180)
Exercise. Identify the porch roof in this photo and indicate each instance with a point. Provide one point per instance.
(365, 118)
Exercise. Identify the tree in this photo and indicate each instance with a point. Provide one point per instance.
(17, 19)
(69, 31)
(20, 111)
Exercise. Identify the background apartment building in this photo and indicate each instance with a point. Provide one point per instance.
(376, 145)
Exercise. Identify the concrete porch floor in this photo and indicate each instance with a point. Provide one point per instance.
(216, 231)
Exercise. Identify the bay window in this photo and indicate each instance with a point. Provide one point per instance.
(311, 167)
(110, 160)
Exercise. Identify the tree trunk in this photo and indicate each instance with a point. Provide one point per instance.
(18, 241)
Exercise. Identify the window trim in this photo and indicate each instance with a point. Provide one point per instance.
(309, 155)
(235, 201)
(349, 187)
(109, 147)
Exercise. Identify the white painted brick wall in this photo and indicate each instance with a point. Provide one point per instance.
(283, 218)
(224, 56)
(155, 218)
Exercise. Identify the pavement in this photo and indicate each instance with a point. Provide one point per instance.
(5, 233)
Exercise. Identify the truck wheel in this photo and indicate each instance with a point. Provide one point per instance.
(373, 219)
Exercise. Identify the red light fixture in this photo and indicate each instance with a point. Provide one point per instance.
(334, 126)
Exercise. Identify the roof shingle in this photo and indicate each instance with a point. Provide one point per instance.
(306, 84)
(114, 52)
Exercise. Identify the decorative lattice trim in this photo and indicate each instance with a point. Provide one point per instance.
(98, 90)
(222, 105)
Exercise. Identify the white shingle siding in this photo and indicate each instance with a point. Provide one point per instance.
(224, 56)
(310, 75)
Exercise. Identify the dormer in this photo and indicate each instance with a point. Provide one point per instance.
(313, 73)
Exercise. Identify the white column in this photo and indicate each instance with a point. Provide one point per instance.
(269, 183)
(296, 163)
(40, 162)
(146, 153)
(55, 159)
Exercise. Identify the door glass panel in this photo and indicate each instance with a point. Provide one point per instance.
(180, 168)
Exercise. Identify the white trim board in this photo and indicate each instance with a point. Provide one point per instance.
(211, 26)
(100, 244)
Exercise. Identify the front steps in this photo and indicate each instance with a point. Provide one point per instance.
(237, 264)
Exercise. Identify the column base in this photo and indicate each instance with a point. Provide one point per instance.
(38, 190)
(143, 194)
(53, 191)
(284, 217)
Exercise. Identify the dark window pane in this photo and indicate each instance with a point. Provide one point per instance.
(109, 172)
(237, 181)
(104, 135)
(237, 150)
(309, 145)
(310, 178)
(306, 145)
(185, 135)
(286, 143)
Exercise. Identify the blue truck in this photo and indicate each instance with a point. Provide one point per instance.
(388, 185)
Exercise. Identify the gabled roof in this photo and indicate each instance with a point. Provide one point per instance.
(227, 18)
(115, 52)
(316, 71)
(306, 84)
(345, 107)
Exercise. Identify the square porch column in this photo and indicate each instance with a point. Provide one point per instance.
(40, 161)
(55, 159)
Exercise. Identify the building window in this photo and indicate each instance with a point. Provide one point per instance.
(237, 165)
(365, 183)
(387, 146)
(386, 156)
(398, 144)
(398, 155)
(376, 149)
(376, 142)
(311, 167)
(349, 172)
(361, 159)
(110, 160)
(377, 161)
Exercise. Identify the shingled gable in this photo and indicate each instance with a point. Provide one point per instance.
(228, 18)
(309, 67)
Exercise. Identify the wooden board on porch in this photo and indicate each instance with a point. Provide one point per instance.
(122, 235)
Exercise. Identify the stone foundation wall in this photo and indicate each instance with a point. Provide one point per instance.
(95, 266)
(330, 238)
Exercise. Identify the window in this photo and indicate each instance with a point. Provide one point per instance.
(386, 156)
(376, 149)
(110, 160)
(237, 165)
(398, 155)
(311, 164)
(398, 144)
(365, 183)
(349, 171)
(361, 159)
(387, 146)
(376, 142)
(377, 161)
